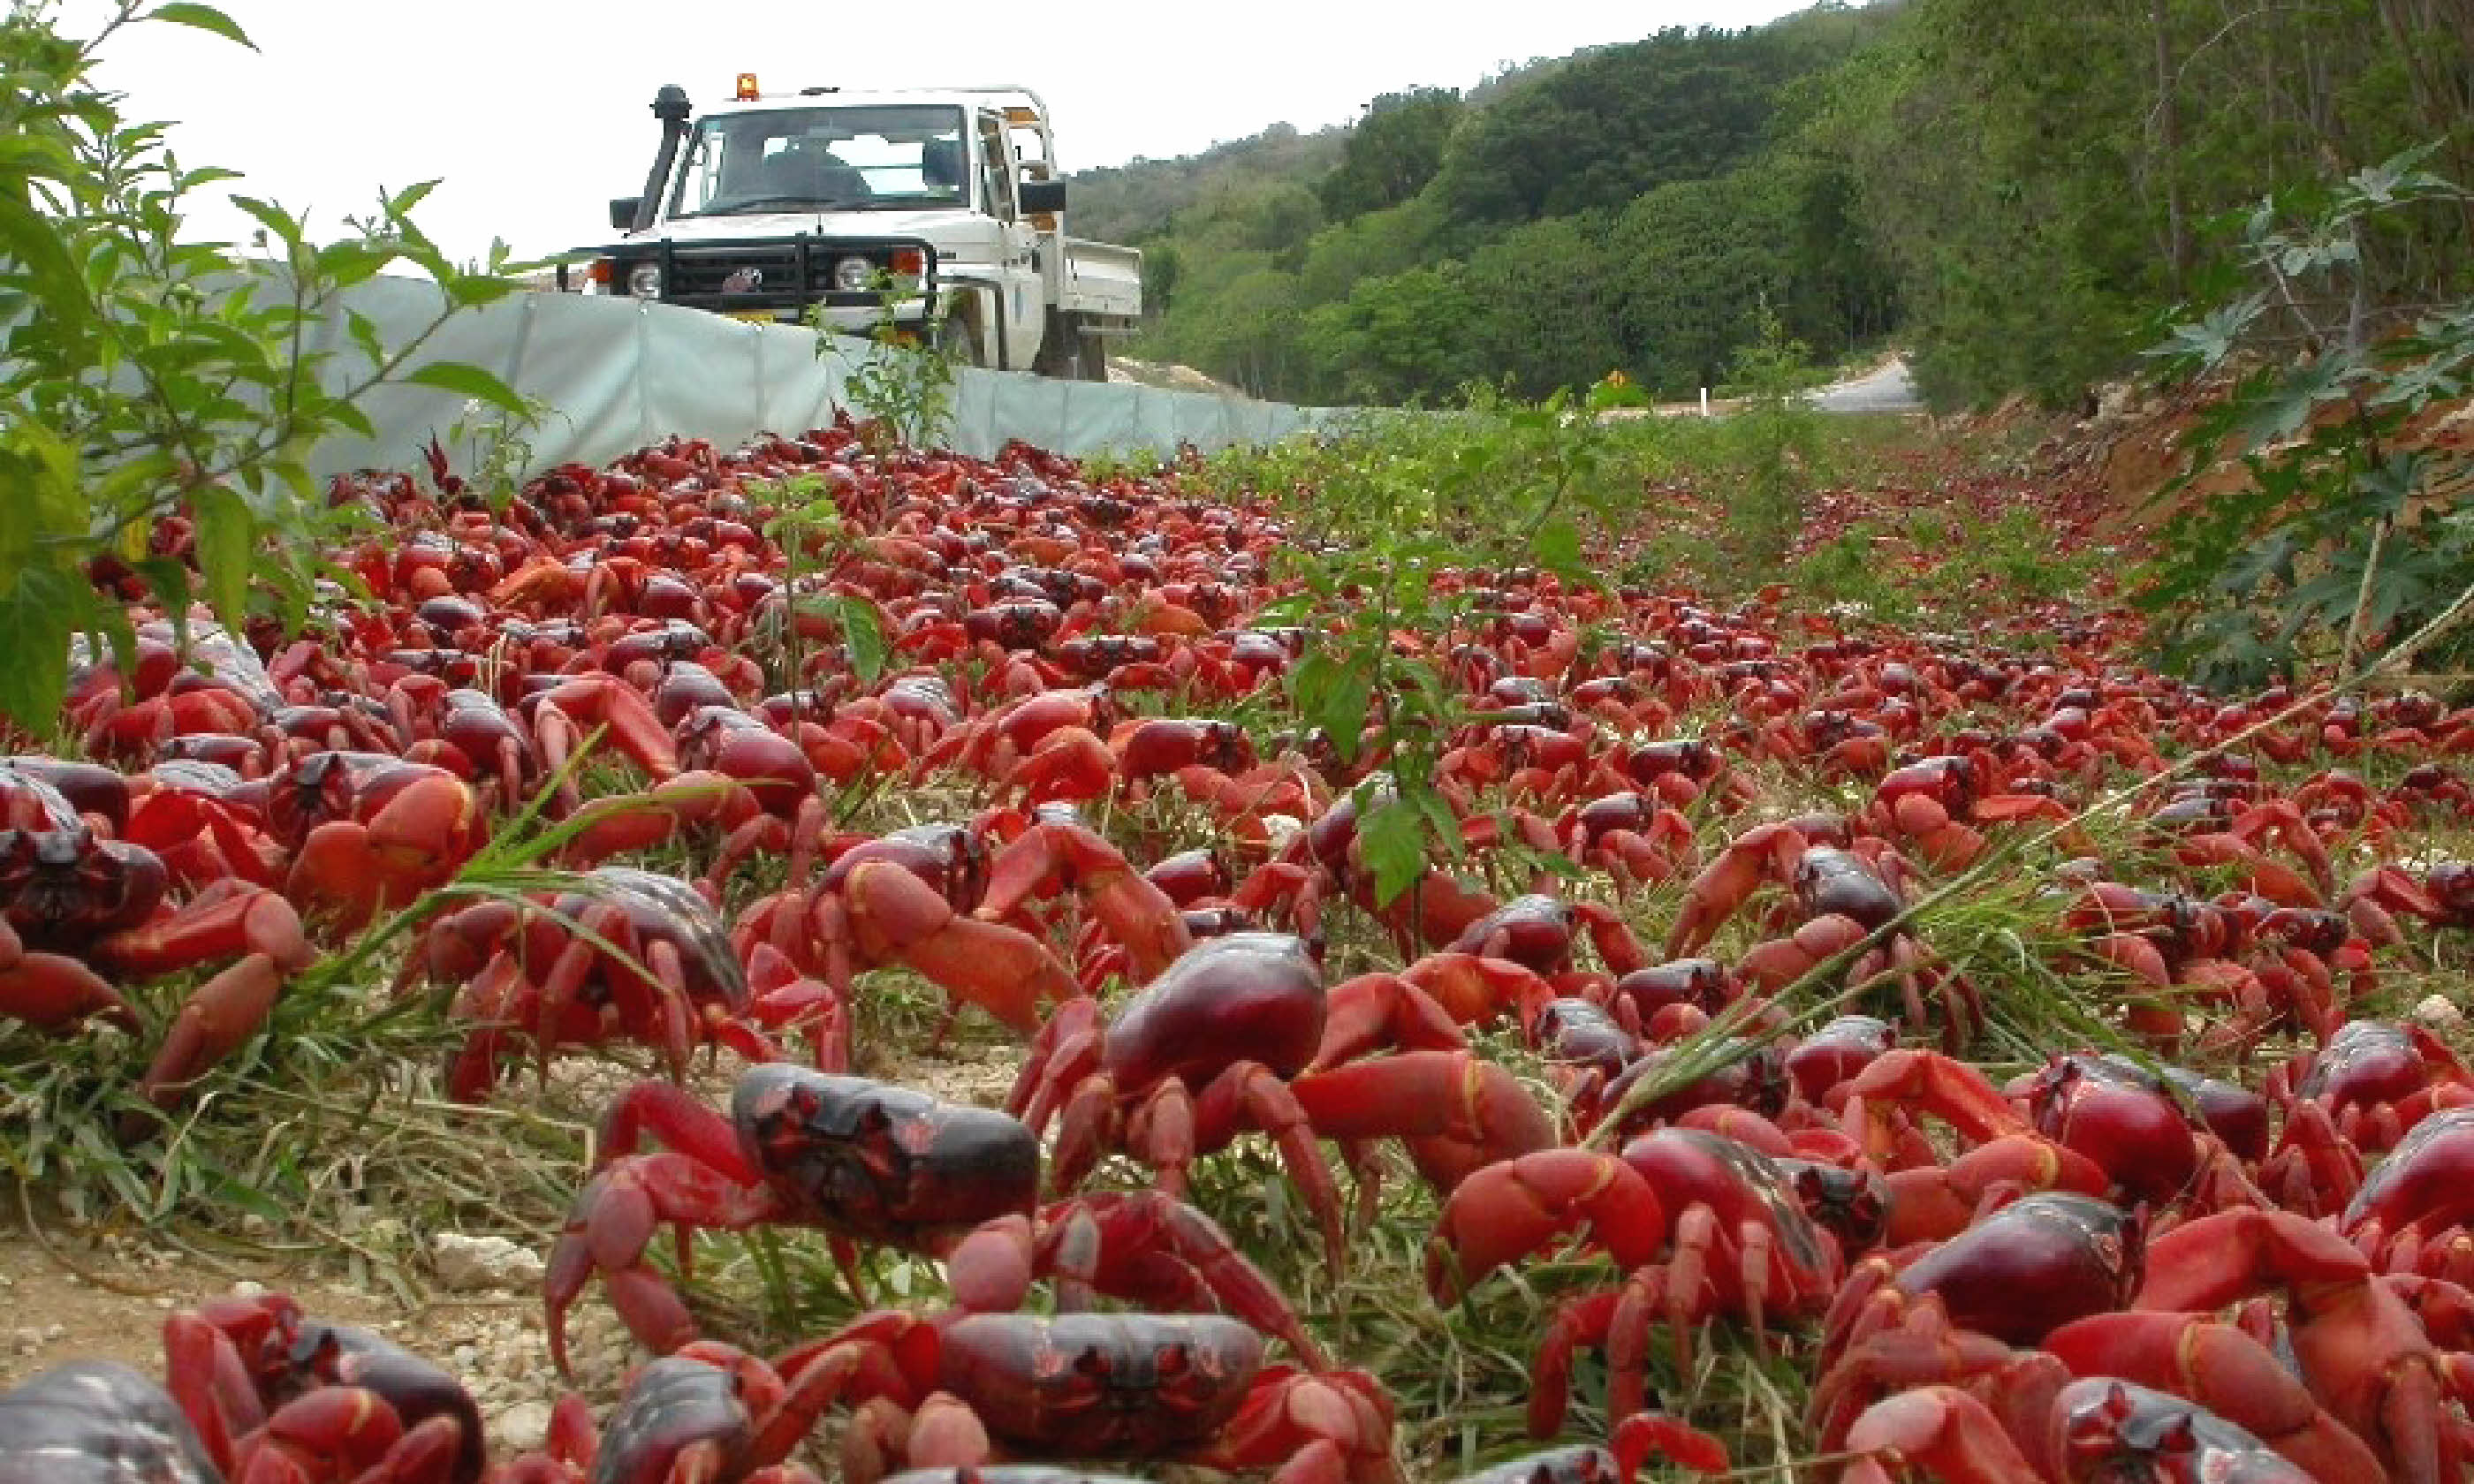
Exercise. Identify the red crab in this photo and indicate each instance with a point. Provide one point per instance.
(1931, 804)
(631, 954)
(1051, 856)
(72, 902)
(2098, 1427)
(905, 901)
(1218, 1044)
(2376, 1080)
(1190, 1388)
(369, 832)
(2410, 1214)
(276, 1396)
(2358, 1343)
(1743, 1239)
(865, 1161)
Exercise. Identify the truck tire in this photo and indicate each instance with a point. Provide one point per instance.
(957, 342)
(1059, 357)
(1090, 356)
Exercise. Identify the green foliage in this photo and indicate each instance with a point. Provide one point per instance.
(1398, 336)
(2015, 556)
(1383, 509)
(2345, 534)
(2039, 177)
(1395, 149)
(903, 386)
(1625, 208)
(144, 376)
(1850, 571)
(1137, 201)
(815, 535)
(1777, 437)
(496, 447)
(1615, 125)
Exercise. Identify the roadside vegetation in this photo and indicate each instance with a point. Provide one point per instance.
(2019, 196)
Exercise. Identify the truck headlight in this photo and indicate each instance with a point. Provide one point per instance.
(644, 280)
(853, 275)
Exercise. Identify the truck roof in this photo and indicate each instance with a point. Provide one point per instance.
(999, 95)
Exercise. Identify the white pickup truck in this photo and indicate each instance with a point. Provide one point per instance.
(826, 206)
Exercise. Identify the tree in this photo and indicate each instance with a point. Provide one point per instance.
(1702, 258)
(2040, 179)
(1395, 149)
(1542, 312)
(1406, 337)
(1615, 124)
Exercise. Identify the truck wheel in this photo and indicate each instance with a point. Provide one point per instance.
(1060, 352)
(956, 342)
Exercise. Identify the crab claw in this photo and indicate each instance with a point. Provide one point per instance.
(1936, 1431)
(612, 1223)
(228, 917)
(597, 698)
(1458, 1111)
(2205, 1264)
(1474, 989)
(414, 842)
(225, 1012)
(1383, 1010)
(53, 992)
(1515, 1206)
(1936, 1202)
(1646, 1435)
(891, 914)
(1765, 852)
(2358, 1345)
(1932, 1083)
(1050, 857)
(2224, 1370)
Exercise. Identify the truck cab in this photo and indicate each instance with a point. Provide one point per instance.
(939, 207)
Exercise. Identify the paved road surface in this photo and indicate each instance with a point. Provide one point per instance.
(1887, 390)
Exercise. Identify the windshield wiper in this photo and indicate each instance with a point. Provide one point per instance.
(776, 203)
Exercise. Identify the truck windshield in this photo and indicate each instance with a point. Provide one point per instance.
(839, 159)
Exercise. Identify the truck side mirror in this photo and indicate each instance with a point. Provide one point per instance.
(1040, 196)
(623, 212)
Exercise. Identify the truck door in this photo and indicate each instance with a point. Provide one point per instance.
(1025, 309)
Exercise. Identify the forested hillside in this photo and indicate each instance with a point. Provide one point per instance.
(2017, 194)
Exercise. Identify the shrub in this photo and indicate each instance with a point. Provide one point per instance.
(147, 378)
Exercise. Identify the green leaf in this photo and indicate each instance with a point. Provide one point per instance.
(285, 227)
(864, 635)
(467, 380)
(35, 241)
(1558, 549)
(2284, 411)
(227, 542)
(117, 632)
(1344, 704)
(169, 581)
(39, 612)
(205, 17)
(1393, 840)
(1437, 810)
(351, 261)
(402, 202)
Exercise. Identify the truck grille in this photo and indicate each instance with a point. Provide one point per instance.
(777, 271)
(767, 273)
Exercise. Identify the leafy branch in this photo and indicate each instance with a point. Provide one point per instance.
(2343, 530)
(158, 404)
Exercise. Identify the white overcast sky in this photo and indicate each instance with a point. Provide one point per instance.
(535, 114)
